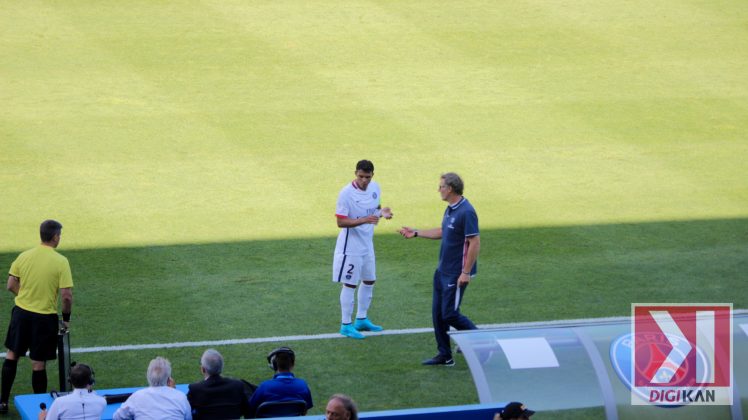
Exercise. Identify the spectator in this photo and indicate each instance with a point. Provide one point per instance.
(37, 277)
(512, 411)
(160, 401)
(81, 403)
(284, 386)
(217, 397)
(341, 407)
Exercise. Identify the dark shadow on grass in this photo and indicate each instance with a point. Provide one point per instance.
(282, 287)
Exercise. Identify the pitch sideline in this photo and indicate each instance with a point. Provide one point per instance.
(291, 338)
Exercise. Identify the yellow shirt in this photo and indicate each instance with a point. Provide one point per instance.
(43, 272)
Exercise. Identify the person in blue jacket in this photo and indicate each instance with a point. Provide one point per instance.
(284, 386)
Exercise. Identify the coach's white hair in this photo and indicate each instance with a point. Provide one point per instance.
(159, 372)
(212, 362)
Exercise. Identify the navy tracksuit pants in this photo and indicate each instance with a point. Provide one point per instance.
(445, 310)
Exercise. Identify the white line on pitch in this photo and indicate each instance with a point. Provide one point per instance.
(289, 338)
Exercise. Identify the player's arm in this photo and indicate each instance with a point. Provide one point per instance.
(347, 222)
(473, 248)
(409, 232)
(14, 284)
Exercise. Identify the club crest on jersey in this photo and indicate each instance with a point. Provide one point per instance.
(374, 195)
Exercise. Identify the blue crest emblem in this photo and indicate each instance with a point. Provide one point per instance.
(374, 195)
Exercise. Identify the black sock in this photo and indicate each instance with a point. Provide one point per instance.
(8, 377)
(39, 381)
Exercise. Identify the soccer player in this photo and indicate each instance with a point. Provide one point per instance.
(37, 277)
(460, 245)
(358, 210)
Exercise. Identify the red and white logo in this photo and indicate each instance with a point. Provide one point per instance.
(681, 354)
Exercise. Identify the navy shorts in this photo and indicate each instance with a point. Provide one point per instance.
(32, 332)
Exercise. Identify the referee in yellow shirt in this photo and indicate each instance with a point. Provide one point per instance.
(36, 277)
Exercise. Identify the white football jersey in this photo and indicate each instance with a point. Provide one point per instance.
(355, 203)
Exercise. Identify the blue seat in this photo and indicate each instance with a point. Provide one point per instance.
(291, 408)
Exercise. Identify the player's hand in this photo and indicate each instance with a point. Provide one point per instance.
(66, 325)
(171, 382)
(387, 213)
(407, 232)
(371, 219)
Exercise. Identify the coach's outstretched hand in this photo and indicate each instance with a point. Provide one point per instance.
(407, 232)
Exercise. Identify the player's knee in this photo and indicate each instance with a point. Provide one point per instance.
(369, 282)
(352, 286)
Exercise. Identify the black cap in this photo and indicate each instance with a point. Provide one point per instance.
(515, 410)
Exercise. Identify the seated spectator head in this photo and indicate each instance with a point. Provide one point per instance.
(341, 407)
(211, 363)
(81, 376)
(159, 372)
(282, 359)
(515, 410)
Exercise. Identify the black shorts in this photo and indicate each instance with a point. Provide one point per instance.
(34, 332)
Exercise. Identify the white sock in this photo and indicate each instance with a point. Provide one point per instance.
(346, 303)
(365, 292)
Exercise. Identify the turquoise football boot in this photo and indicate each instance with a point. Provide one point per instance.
(349, 331)
(366, 325)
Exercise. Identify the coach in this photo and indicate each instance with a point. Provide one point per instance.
(460, 244)
(36, 277)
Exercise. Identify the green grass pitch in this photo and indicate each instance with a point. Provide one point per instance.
(194, 151)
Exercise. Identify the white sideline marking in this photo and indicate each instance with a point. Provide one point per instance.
(513, 325)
